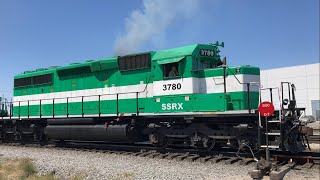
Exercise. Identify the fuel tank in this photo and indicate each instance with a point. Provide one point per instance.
(111, 133)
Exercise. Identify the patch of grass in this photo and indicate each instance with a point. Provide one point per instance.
(76, 178)
(28, 168)
(47, 177)
(22, 169)
(124, 175)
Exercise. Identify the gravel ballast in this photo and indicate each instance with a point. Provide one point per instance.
(93, 165)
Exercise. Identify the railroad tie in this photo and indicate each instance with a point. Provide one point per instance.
(182, 157)
(205, 159)
(172, 156)
(247, 161)
(162, 156)
(191, 158)
(121, 152)
(232, 160)
(307, 165)
(106, 151)
(145, 154)
(153, 155)
(137, 153)
(218, 159)
(278, 175)
(280, 163)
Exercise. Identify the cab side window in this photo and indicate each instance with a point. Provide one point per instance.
(208, 65)
(171, 70)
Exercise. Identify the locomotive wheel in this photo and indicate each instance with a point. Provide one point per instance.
(159, 141)
(19, 137)
(43, 139)
(162, 145)
(5, 138)
(202, 142)
(209, 143)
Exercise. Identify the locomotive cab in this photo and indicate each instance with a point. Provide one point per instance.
(196, 78)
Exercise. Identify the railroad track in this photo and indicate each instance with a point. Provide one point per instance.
(179, 153)
(185, 154)
(281, 162)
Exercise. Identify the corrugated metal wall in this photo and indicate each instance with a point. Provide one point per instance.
(306, 79)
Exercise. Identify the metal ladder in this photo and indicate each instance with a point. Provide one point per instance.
(269, 132)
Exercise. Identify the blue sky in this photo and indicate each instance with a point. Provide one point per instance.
(37, 33)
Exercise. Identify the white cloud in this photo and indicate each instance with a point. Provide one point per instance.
(155, 17)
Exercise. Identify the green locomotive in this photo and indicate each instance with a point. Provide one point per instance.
(137, 84)
(182, 95)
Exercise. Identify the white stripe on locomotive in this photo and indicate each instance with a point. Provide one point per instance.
(188, 86)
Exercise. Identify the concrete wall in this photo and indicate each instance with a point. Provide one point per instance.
(306, 80)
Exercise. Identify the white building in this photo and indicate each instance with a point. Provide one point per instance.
(306, 80)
